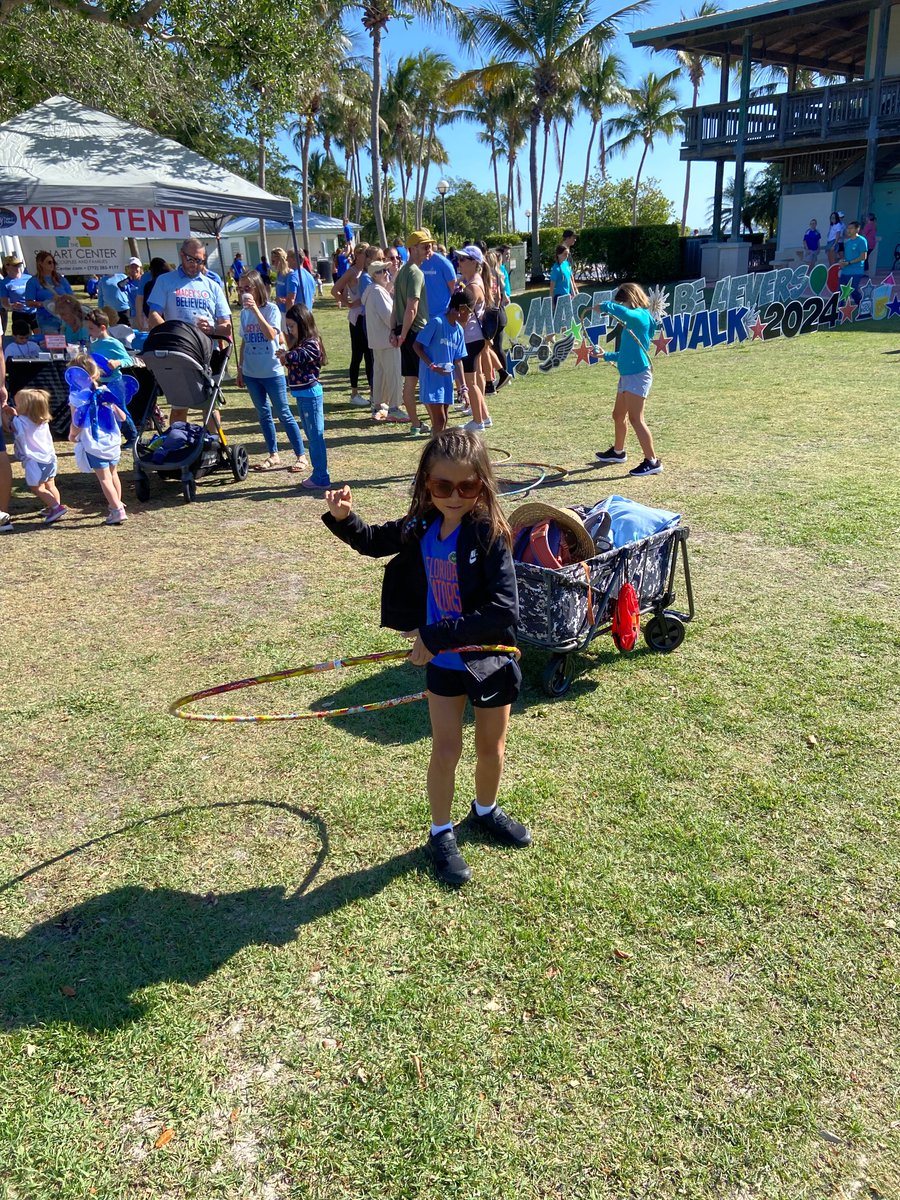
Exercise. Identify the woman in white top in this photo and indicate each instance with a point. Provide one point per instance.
(835, 237)
(261, 372)
(348, 290)
(476, 277)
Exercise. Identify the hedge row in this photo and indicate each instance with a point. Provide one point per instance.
(650, 253)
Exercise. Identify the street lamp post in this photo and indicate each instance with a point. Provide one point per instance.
(443, 189)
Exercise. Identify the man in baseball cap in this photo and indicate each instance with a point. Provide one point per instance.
(12, 291)
(133, 286)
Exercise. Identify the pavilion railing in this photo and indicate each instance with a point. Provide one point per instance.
(829, 113)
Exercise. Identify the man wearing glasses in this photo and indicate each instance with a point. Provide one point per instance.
(187, 294)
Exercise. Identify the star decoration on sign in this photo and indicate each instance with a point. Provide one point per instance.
(661, 342)
(893, 308)
(846, 289)
(847, 311)
(659, 302)
(888, 281)
(575, 331)
(584, 353)
(757, 329)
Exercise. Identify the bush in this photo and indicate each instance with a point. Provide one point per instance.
(611, 253)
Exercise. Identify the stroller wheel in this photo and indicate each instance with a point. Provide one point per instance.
(142, 488)
(558, 674)
(189, 489)
(664, 633)
(240, 462)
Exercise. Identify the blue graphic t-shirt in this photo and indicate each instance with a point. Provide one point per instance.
(307, 287)
(444, 344)
(178, 297)
(443, 586)
(14, 291)
(259, 360)
(439, 274)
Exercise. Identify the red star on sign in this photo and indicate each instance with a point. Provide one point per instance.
(757, 329)
(661, 343)
(584, 352)
(847, 310)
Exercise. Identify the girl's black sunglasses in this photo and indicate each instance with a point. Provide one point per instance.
(443, 489)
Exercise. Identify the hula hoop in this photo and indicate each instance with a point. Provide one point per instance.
(177, 706)
(548, 471)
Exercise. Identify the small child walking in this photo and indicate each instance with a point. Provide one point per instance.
(632, 308)
(29, 423)
(452, 583)
(96, 431)
(304, 359)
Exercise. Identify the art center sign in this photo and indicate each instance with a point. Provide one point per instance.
(89, 256)
(36, 220)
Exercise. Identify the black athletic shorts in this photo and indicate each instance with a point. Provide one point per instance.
(473, 349)
(497, 690)
(409, 360)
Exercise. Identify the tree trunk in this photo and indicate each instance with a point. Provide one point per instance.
(637, 184)
(420, 216)
(687, 173)
(496, 182)
(510, 202)
(359, 187)
(562, 167)
(602, 149)
(304, 183)
(537, 275)
(375, 136)
(544, 163)
(261, 180)
(419, 198)
(587, 172)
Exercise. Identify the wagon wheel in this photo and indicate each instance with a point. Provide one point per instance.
(664, 633)
(558, 674)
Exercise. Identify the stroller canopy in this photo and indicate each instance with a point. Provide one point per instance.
(177, 337)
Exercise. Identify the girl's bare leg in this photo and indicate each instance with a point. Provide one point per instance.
(491, 725)
(446, 746)
(107, 486)
(117, 484)
(47, 494)
(620, 421)
(476, 399)
(638, 424)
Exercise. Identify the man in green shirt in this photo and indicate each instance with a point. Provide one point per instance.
(411, 316)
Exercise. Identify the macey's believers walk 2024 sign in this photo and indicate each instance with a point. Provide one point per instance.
(758, 306)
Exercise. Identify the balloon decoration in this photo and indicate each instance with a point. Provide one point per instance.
(759, 306)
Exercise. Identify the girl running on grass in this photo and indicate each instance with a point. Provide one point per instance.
(632, 308)
(304, 358)
(452, 583)
(29, 423)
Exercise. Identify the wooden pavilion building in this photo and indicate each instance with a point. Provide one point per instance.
(839, 145)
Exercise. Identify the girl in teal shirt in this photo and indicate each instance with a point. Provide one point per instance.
(632, 308)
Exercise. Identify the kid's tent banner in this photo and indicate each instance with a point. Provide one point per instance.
(757, 307)
(28, 220)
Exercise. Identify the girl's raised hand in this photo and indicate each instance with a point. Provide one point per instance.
(339, 501)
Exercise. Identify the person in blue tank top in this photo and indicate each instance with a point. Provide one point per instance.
(632, 308)
(452, 584)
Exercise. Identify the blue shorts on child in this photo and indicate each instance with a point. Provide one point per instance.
(99, 463)
(37, 472)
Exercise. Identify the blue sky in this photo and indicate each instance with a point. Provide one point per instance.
(469, 160)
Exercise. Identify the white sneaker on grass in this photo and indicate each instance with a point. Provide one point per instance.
(359, 401)
(6, 525)
(474, 427)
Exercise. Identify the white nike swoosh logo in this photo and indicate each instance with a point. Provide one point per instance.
(490, 697)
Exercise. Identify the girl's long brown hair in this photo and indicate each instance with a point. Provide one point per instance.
(632, 295)
(467, 449)
(306, 328)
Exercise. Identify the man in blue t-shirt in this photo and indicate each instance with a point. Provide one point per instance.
(305, 282)
(112, 295)
(853, 262)
(133, 286)
(186, 294)
(811, 240)
(12, 290)
(441, 347)
(237, 266)
(402, 251)
(440, 277)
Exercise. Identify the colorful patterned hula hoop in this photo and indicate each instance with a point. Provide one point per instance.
(177, 707)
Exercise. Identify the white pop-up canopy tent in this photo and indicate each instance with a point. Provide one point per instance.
(61, 152)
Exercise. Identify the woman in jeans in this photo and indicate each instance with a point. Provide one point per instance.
(348, 291)
(262, 373)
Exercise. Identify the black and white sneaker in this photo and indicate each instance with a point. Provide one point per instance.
(501, 827)
(612, 456)
(449, 865)
(647, 466)
(6, 525)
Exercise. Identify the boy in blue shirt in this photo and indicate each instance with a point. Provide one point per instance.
(853, 262)
(811, 240)
(109, 347)
(441, 346)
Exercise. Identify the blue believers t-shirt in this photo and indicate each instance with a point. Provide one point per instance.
(444, 344)
(443, 586)
(307, 287)
(286, 285)
(561, 274)
(438, 272)
(14, 291)
(179, 298)
(259, 359)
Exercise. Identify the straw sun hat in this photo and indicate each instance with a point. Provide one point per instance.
(537, 510)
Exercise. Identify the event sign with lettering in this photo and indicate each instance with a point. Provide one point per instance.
(34, 220)
(759, 306)
(90, 256)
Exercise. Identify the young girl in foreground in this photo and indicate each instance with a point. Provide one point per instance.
(631, 307)
(304, 358)
(29, 423)
(96, 430)
(452, 583)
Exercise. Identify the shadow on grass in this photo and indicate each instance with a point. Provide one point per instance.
(105, 950)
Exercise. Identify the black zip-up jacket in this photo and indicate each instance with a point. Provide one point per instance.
(487, 586)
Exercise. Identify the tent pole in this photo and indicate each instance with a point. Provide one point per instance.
(149, 251)
(221, 259)
(297, 255)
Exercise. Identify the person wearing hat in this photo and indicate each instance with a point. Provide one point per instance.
(440, 276)
(411, 315)
(12, 290)
(386, 381)
(133, 287)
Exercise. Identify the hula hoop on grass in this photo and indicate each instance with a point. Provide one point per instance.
(176, 708)
(546, 471)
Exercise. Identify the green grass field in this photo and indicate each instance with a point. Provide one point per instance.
(225, 971)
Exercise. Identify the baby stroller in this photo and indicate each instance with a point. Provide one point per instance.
(188, 370)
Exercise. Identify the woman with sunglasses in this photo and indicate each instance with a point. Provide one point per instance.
(43, 288)
(451, 583)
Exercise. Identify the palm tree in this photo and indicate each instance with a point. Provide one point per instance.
(652, 111)
(434, 75)
(602, 87)
(694, 65)
(399, 105)
(346, 108)
(556, 40)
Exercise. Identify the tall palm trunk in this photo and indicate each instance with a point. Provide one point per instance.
(496, 182)
(304, 181)
(420, 215)
(375, 139)
(537, 275)
(510, 209)
(359, 186)
(419, 196)
(562, 167)
(637, 183)
(587, 172)
(602, 150)
(687, 171)
(544, 163)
